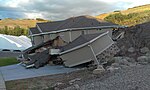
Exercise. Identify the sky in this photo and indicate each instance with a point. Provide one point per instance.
(62, 9)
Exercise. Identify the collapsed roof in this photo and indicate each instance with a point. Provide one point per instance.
(85, 49)
(79, 41)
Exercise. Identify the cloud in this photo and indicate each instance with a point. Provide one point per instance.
(56, 9)
(62, 9)
(9, 12)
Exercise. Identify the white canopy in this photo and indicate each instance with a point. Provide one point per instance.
(14, 42)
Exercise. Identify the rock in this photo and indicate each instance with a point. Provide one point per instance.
(143, 60)
(131, 60)
(72, 81)
(143, 63)
(115, 65)
(132, 64)
(131, 50)
(124, 66)
(147, 54)
(121, 60)
(57, 84)
(111, 69)
(77, 86)
(144, 50)
(99, 70)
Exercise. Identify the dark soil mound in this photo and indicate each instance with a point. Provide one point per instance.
(137, 37)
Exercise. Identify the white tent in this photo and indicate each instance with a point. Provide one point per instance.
(14, 42)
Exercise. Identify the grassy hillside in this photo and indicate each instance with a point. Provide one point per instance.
(24, 23)
(17, 27)
(129, 17)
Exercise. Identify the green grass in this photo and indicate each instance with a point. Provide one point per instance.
(8, 61)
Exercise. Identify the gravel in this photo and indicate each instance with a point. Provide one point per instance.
(131, 78)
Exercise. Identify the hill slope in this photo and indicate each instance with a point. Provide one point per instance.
(129, 17)
(24, 23)
(17, 27)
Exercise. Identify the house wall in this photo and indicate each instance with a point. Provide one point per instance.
(75, 34)
(53, 36)
(49, 37)
(101, 44)
(37, 40)
(69, 36)
(92, 31)
(77, 57)
(84, 54)
(72, 35)
(99, 31)
(58, 42)
(46, 37)
(65, 36)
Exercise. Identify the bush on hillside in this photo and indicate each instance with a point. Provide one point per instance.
(16, 31)
(129, 19)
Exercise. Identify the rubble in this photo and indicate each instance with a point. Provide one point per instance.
(136, 37)
(99, 70)
(143, 60)
(112, 69)
(131, 50)
(74, 80)
(121, 60)
(144, 50)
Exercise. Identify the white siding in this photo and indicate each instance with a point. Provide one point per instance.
(75, 34)
(99, 31)
(77, 57)
(65, 36)
(38, 40)
(92, 31)
(101, 44)
(84, 54)
(53, 36)
(46, 37)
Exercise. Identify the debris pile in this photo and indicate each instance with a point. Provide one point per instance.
(50, 52)
(136, 40)
(39, 55)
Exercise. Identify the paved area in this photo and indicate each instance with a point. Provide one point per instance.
(2, 82)
(14, 72)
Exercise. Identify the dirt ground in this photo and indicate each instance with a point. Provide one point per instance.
(53, 82)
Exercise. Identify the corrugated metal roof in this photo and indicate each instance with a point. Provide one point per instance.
(14, 42)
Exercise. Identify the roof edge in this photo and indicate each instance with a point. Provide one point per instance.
(75, 29)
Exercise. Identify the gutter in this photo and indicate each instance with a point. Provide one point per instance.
(82, 45)
(77, 29)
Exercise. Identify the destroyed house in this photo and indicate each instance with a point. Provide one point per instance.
(73, 41)
(69, 29)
